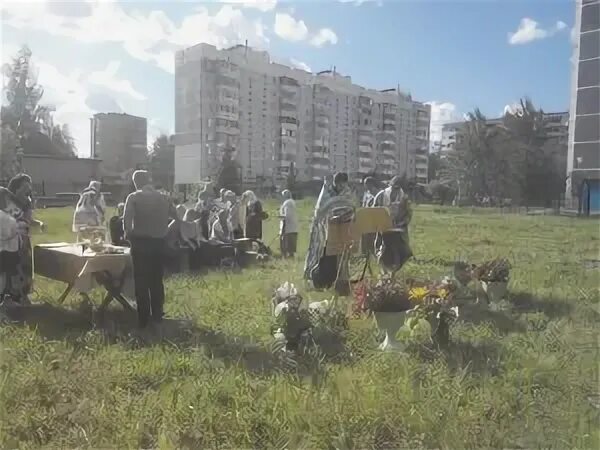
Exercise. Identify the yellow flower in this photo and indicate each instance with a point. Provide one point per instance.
(417, 294)
(441, 293)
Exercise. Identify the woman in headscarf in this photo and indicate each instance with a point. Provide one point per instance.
(16, 202)
(393, 245)
(245, 200)
(90, 208)
(318, 267)
(233, 206)
(254, 219)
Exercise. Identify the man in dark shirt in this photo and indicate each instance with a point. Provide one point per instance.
(146, 220)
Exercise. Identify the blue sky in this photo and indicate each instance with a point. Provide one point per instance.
(100, 56)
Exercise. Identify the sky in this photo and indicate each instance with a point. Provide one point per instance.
(118, 56)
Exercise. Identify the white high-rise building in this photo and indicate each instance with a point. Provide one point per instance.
(274, 115)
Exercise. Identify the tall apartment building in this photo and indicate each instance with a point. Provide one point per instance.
(583, 162)
(119, 141)
(273, 115)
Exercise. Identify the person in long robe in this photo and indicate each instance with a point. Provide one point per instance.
(246, 199)
(320, 268)
(90, 208)
(233, 206)
(367, 241)
(254, 220)
(393, 245)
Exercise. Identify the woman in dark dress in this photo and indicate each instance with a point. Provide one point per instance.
(254, 219)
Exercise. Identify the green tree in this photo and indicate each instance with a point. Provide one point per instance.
(543, 159)
(229, 176)
(22, 112)
(162, 161)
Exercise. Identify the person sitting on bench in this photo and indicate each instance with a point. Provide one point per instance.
(221, 230)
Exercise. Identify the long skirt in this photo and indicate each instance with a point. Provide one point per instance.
(394, 250)
(17, 271)
(288, 243)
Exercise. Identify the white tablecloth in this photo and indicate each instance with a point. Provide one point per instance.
(67, 263)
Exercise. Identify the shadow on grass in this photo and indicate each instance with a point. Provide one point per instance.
(481, 313)
(523, 302)
(117, 326)
(476, 358)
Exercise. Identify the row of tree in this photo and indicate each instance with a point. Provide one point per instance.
(515, 160)
(27, 124)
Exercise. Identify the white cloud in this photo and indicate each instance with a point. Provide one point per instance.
(261, 5)
(290, 29)
(147, 36)
(108, 79)
(441, 113)
(324, 36)
(67, 93)
(360, 2)
(75, 96)
(300, 65)
(529, 31)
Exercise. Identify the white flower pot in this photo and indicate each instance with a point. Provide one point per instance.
(495, 291)
(390, 323)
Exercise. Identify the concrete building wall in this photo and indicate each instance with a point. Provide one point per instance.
(54, 174)
(119, 140)
(274, 115)
(583, 161)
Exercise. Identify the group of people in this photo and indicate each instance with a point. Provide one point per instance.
(337, 201)
(149, 220)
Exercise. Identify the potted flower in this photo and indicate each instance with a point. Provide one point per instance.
(389, 302)
(492, 278)
(434, 303)
(298, 328)
(292, 320)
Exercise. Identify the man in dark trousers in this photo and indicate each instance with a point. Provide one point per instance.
(146, 219)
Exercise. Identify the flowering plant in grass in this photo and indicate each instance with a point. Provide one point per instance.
(297, 326)
(496, 270)
(434, 302)
(385, 295)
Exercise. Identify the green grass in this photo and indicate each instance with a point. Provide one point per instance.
(525, 376)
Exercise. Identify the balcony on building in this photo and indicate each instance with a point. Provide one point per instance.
(227, 127)
(365, 103)
(286, 104)
(289, 120)
(228, 82)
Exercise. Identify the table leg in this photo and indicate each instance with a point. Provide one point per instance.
(64, 295)
(112, 292)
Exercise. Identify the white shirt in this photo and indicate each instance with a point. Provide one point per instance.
(288, 210)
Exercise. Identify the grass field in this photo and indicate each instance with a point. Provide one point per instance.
(523, 376)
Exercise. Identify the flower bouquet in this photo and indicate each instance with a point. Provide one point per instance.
(388, 300)
(296, 327)
(492, 278)
(435, 304)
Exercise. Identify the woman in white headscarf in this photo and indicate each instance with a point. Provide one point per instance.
(90, 208)
(246, 200)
